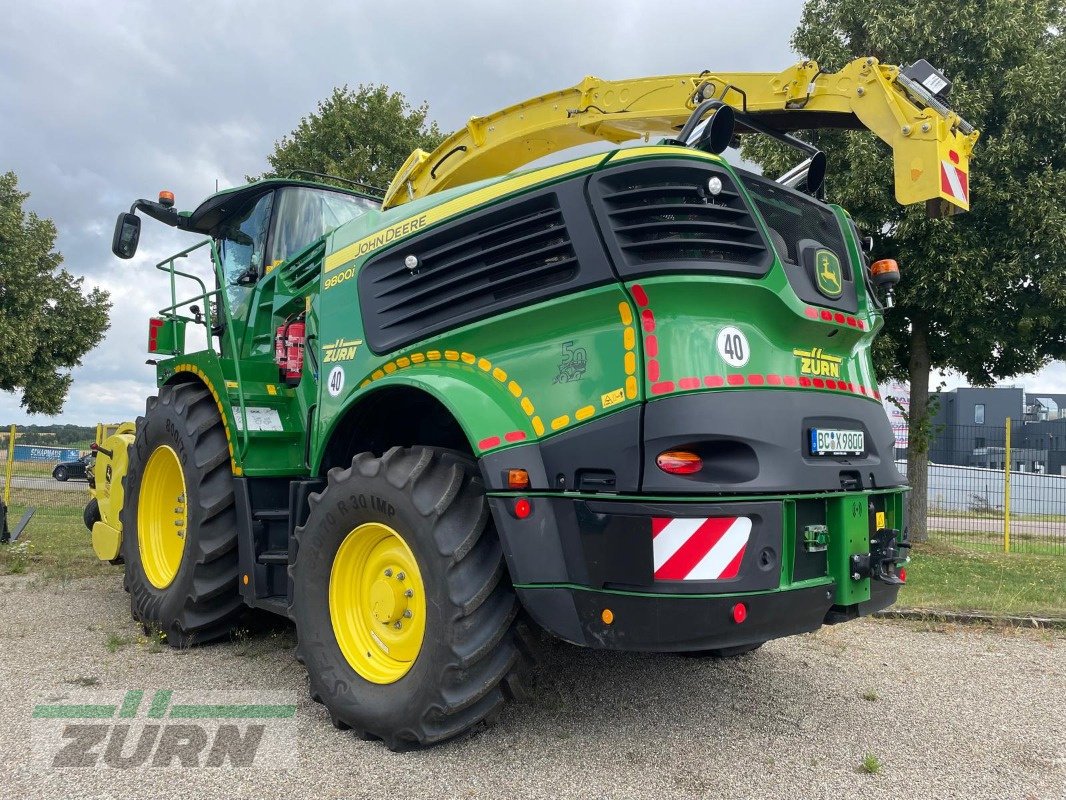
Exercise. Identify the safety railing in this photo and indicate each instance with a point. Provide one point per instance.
(205, 318)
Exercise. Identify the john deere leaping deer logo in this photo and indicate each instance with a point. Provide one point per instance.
(575, 362)
(828, 274)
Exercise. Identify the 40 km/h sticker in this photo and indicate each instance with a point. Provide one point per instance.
(733, 346)
(335, 384)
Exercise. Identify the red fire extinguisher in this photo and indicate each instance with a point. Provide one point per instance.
(289, 351)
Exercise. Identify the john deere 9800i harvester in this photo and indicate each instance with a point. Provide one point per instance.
(628, 397)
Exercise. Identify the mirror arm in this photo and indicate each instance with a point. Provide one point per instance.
(158, 211)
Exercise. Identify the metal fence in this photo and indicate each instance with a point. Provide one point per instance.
(987, 493)
(45, 488)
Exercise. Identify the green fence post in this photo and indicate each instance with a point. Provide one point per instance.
(1006, 490)
(10, 466)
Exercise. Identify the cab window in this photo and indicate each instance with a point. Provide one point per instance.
(241, 247)
(304, 214)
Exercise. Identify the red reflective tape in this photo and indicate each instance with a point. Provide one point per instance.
(492, 441)
(811, 312)
(773, 380)
(736, 380)
(755, 380)
(819, 383)
(733, 567)
(663, 387)
(515, 436)
(830, 383)
(791, 380)
(658, 523)
(688, 383)
(838, 317)
(638, 294)
(648, 319)
(651, 346)
(713, 381)
(827, 316)
(694, 549)
(653, 370)
(805, 382)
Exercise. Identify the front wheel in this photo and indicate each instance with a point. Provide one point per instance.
(60, 474)
(404, 614)
(179, 520)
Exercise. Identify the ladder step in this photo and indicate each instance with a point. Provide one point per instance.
(274, 557)
(271, 514)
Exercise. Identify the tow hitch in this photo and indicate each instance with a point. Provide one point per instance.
(884, 559)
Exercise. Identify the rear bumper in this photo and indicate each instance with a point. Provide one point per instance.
(671, 572)
(665, 624)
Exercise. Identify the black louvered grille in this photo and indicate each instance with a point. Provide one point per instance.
(664, 217)
(516, 253)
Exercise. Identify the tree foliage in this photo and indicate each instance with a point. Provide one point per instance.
(363, 134)
(47, 322)
(982, 293)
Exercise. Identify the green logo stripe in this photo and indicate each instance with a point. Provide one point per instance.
(233, 712)
(131, 703)
(73, 711)
(160, 701)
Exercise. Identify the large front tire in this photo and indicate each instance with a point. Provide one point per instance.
(389, 540)
(179, 521)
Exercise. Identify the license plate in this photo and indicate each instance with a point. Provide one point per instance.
(832, 442)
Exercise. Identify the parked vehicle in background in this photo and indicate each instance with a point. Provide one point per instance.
(78, 468)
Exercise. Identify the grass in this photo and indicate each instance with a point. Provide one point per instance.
(116, 641)
(949, 578)
(871, 764)
(55, 544)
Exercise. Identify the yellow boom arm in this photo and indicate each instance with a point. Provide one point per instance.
(931, 144)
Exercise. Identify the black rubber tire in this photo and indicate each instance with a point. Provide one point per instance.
(724, 652)
(60, 474)
(91, 515)
(476, 653)
(203, 602)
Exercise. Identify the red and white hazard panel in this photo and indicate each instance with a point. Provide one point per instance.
(699, 549)
(954, 181)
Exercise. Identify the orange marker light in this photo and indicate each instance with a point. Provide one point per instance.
(517, 479)
(679, 462)
(246, 579)
(607, 616)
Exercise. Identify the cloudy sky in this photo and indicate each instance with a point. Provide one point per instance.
(103, 103)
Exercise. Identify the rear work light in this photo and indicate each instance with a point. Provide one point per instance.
(679, 462)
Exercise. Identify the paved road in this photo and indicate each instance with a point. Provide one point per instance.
(995, 525)
(958, 713)
(48, 483)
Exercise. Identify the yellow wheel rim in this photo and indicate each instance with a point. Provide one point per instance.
(162, 517)
(377, 603)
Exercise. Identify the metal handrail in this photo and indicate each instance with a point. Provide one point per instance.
(167, 265)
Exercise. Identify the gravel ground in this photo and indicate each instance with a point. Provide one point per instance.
(949, 711)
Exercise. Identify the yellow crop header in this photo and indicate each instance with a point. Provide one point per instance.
(931, 144)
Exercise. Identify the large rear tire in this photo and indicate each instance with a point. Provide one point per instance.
(405, 617)
(179, 521)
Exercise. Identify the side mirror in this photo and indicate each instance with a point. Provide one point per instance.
(127, 234)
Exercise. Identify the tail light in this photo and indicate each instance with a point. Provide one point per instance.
(679, 462)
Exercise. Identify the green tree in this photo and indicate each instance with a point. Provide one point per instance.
(363, 135)
(983, 293)
(47, 322)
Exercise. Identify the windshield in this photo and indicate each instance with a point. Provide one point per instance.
(304, 214)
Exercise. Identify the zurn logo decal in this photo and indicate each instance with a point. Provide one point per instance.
(166, 729)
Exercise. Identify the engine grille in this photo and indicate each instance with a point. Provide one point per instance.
(662, 217)
(497, 260)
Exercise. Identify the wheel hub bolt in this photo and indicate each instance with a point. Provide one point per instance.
(397, 625)
(388, 573)
(407, 613)
(400, 576)
(409, 593)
